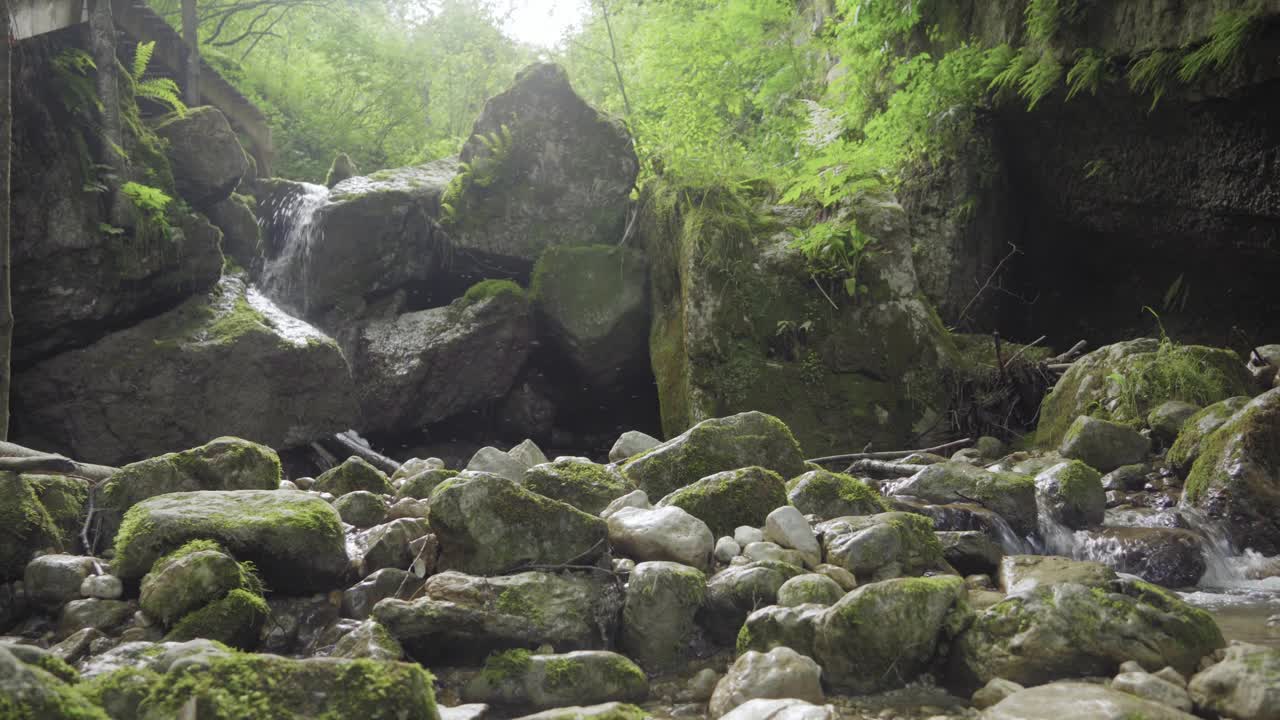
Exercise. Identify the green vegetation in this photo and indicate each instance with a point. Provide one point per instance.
(486, 289)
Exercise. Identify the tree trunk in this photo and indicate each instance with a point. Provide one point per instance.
(191, 35)
(102, 41)
(6, 140)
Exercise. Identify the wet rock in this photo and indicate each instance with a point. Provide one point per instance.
(295, 539)
(1065, 699)
(1245, 684)
(489, 525)
(104, 615)
(731, 498)
(361, 508)
(1071, 494)
(809, 589)
(241, 233)
(716, 445)
(971, 552)
(1145, 685)
(1186, 449)
(781, 673)
(1010, 495)
(665, 533)
(33, 692)
(788, 528)
(1164, 556)
(578, 482)
(630, 443)
(359, 600)
(1167, 418)
(387, 546)
(1126, 477)
(733, 593)
(788, 709)
(1022, 573)
(188, 579)
(993, 692)
(881, 546)
(1103, 445)
(207, 159)
(369, 640)
(658, 624)
(829, 495)
(103, 587)
(496, 462)
(518, 678)
(353, 474)
(298, 624)
(52, 580)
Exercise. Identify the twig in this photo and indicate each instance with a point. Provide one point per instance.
(887, 469)
(1023, 349)
(1069, 355)
(1013, 251)
(892, 454)
(347, 442)
(1059, 367)
(824, 292)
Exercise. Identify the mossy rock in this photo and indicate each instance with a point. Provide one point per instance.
(422, 484)
(735, 592)
(1104, 445)
(881, 546)
(233, 620)
(518, 678)
(27, 523)
(829, 495)
(190, 577)
(28, 692)
(293, 538)
(355, 473)
(577, 481)
(1236, 480)
(489, 525)
(603, 711)
(716, 445)
(780, 626)
(1186, 448)
(1011, 495)
(731, 499)
(1071, 494)
(207, 159)
(1124, 382)
(1245, 684)
(658, 614)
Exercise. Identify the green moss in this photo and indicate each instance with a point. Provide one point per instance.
(917, 535)
(1252, 431)
(516, 601)
(727, 500)
(233, 620)
(1079, 484)
(52, 699)
(57, 668)
(25, 525)
(503, 666)
(486, 289)
(584, 485)
(120, 692)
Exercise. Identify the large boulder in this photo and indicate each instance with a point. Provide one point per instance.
(666, 533)
(1236, 479)
(205, 154)
(352, 475)
(465, 617)
(37, 513)
(778, 674)
(488, 525)
(658, 614)
(1104, 445)
(1069, 699)
(1182, 455)
(241, 232)
(881, 546)
(716, 445)
(1245, 684)
(1071, 494)
(28, 691)
(230, 363)
(541, 168)
(593, 302)
(1124, 382)
(731, 499)
(831, 495)
(426, 366)
(187, 579)
(1171, 557)
(577, 481)
(733, 593)
(519, 678)
(1011, 495)
(294, 538)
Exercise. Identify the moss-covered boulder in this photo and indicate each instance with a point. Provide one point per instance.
(28, 692)
(1104, 445)
(730, 499)
(781, 626)
(1067, 699)
(1011, 495)
(780, 673)
(1186, 448)
(519, 678)
(295, 539)
(37, 512)
(368, 640)
(593, 302)
(488, 525)
(810, 589)
(1245, 684)
(423, 367)
(881, 546)
(1124, 382)
(603, 711)
(736, 591)
(541, 168)
(1021, 573)
(420, 485)
(226, 463)
(1069, 630)
(361, 508)
(461, 618)
(233, 620)
(658, 614)
(577, 481)
(739, 323)
(829, 495)
(355, 473)
(249, 369)
(189, 578)
(1071, 494)
(205, 154)
(1236, 479)
(715, 445)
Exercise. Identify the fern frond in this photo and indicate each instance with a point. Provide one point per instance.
(1231, 32)
(162, 90)
(1017, 66)
(995, 60)
(1086, 74)
(142, 58)
(1152, 74)
(1044, 18)
(1040, 79)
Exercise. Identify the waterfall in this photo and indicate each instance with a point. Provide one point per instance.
(284, 276)
(1226, 567)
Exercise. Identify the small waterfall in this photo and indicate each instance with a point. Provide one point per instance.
(284, 277)
(1226, 567)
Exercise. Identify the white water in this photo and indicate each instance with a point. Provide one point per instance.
(284, 275)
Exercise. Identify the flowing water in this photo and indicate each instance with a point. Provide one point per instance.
(287, 267)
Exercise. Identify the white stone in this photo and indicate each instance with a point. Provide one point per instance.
(745, 535)
(529, 454)
(103, 587)
(758, 551)
(727, 549)
(631, 443)
(762, 709)
(633, 499)
(493, 460)
(1146, 685)
(787, 527)
(666, 533)
(778, 674)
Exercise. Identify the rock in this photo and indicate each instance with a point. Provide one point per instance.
(1126, 477)
(578, 482)
(789, 709)
(1011, 495)
(420, 485)
(658, 614)
(781, 673)
(542, 168)
(1266, 372)
(733, 593)
(631, 443)
(528, 453)
(252, 371)
(359, 600)
(471, 711)
(294, 539)
(1020, 574)
(1244, 685)
(408, 508)
(489, 525)
(971, 552)
(592, 301)
(207, 160)
(39, 513)
(1236, 480)
(353, 474)
(341, 169)
(1065, 699)
(744, 535)
(665, 533)
(990, 448)
(810, 589)
(759, 551)
(1167, 418)
(495, 462)
(104, 615)
(702, 685)
(52, 580)
(993, 692)
(726, 549)
(426, 366)
(881, 546)
(731, 498)
(518, 678)
(1071, 494)
(234, 620)
(241, 233)
(303, 625)
(529, 409)
(76, 646)
(633, 499)
(103, 587)
(1170, 675)
(388, 545)
(464, 617)
(361, 508)
(717, 445)
(1164, 556)
(1150, 687)
(1103, 445)
(369, 640)
(415, 466)
(882, 635)
(1186, 449)
(776, 626)
(829, 495)
(31, 692)
(788, 528)
(1149, 375)
(1069, 630)
(604, 711)
(188, 579)
(843, 577)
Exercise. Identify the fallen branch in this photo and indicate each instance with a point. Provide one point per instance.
(964, 312)
(1069, 355)
(1059, 367)
(879, 468)
(16, 458)
(893, 454)
(1023, 349)
(349, 444)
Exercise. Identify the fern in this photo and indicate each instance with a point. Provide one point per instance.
(1231, 32)
(76, 89)
(158, 89)
(995, 60)
(1040, 79)
(1011, 75)
(1044, 18)
(1153, 73)
(1086, 74)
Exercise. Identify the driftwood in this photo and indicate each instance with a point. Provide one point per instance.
(349, 444)
(893, 454)
(1068, 356)
(882, 469)
(16, 458)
